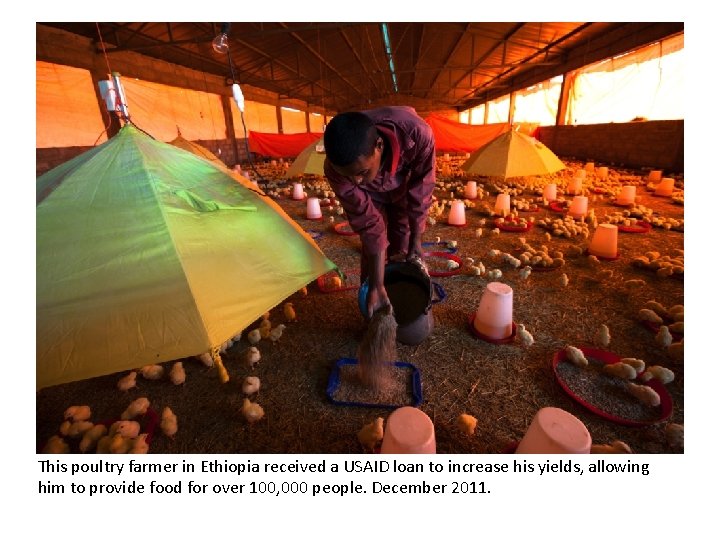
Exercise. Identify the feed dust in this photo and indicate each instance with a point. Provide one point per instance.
(378, 349)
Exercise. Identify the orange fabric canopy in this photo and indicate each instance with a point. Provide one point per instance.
(453, 136)
(280, 145)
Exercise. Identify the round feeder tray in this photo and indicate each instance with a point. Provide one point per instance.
(600, 257)
(639, 227)
(557, 207)
(507, 226)
(623, 205)
(607, 357)
(479, 335)
(443, 255)
(459, 226)
(439, 247)
(343, 229)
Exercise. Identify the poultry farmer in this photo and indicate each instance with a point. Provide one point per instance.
(381, 165)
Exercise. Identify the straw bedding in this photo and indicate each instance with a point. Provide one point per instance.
(503, 386)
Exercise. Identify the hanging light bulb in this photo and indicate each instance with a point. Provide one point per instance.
(220, 43)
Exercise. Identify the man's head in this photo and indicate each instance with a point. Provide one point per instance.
(353, 146)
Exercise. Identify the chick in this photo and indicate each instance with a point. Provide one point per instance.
(371, 434)
(276, 332)
(168, 422)
(152, 372)
(126, 428)
(206, 359)
(119, 444)
(139, 445)
(526, 338)
(663, 337)
(250, 385)
(335, 282)
(677, 350)
(564, 280)
(128, 381)
(602, 337)
(662, 374)
(254, 336)
(77, 429)
(92, 436)
(252, 411)
(620, 370)
(289, 312)
(576, 356)
(103, 445)
(645, 394)
(56, 445)
(615, 447)
(77, 413)
(303, 291)
(265, 326)
(136, 408)
(636, 363)
(525, 272)
(177, 373)
(658, 308)
(467, 424)
(650, 315)
(675, 435)
(252, 356)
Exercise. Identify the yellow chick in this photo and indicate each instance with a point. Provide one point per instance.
(77, 429)
(675, 435)
(658, 308)
(645, 394)
(254, 337)
(65, 428)
(467, 424)
(289, 312)
(276, 332)
(127, 428)
(177, 373)
(576, 356)
(252, 357)
(564, 280)
(92, 436)
(303, 291)
(615, 447)
(103, 445)
(663, 337)
(662, 374)
(650, 315)
(265, 327)
(335, 282)
(677, 350)
(206, 359)
(168, 422)
(602, 337)
(526, 338)
(136, 408)
(620, 370)
(120, 444)
(371, 434)
(252, 411)
(77, 413)
(128, 381)
(139, 445)
(636, 363)
(56, 445)
(250, 385)
(152, 372)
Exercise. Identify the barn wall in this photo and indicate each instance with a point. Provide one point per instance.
(656, 144)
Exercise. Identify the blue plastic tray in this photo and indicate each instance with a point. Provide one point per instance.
(439, 246)
(334, 384)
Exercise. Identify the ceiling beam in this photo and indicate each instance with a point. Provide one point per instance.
(452, 52)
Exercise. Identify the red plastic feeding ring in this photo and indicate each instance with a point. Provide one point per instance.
(326, 204)
(616, 203)
(453, 225)
(598, 191)
(339, 228)
(513, 228)
(555, 206)
(639, 227)
(533, 210)
(587, 253)
(444, 255)
(479, 335)
(315, 218)
(606, 357)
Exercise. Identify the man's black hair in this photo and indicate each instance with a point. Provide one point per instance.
(348, 136)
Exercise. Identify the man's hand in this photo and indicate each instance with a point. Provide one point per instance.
(377, 298)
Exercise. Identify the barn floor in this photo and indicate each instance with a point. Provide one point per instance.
(503, 386)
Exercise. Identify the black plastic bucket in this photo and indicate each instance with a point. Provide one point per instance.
(412, 295)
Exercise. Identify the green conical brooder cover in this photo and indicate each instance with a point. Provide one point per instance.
(148, 253)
